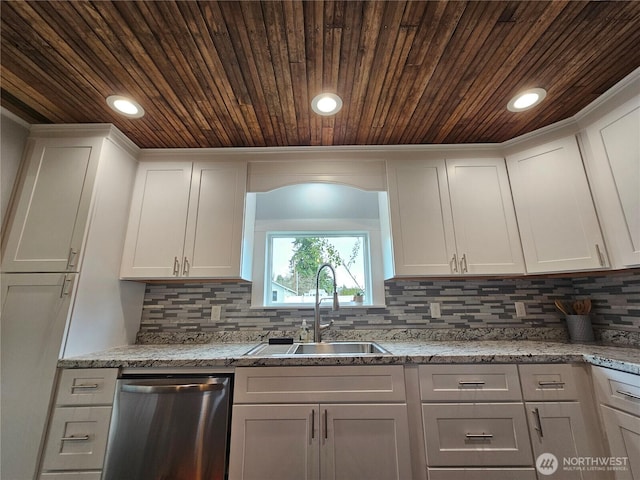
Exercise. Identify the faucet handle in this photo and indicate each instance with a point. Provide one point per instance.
(326, 325)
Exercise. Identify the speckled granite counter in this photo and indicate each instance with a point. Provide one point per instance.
(442, 352)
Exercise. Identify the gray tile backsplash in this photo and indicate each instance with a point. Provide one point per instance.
(465, 303)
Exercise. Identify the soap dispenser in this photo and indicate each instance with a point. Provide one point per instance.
(303, 335)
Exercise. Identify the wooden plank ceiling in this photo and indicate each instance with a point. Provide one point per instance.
(242, 73)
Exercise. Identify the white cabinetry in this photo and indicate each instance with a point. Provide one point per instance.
(619, 396)
(612, 149)
(474, 422)
(453, 216)
(559, 423)
(79, 427)
(319, 436)
(558, 223)
(186, 220)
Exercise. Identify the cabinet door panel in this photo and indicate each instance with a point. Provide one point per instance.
(623, 433)
(557, 219)
(34, 315)
(52, 209)
(365, 442)
(485, 224)
(274, 442)
(213, 238)
(613, 163)
(422, 225)
(559, 428)
(155, 234)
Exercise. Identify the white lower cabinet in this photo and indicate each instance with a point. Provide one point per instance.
(79, 426)
(618, 394)
(482, 474)
(364, 439)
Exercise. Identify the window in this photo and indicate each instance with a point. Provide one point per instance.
(293, 259)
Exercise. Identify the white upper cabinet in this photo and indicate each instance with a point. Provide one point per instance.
(48, 225)
(558, 223)
(452, 217)
(612, 158)
(186, 220)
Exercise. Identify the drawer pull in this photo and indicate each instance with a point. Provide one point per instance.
(479, 436)
(85, 386)
(628, 394)
(477, 383)
(551, 384)
(538, 427)
(75, 438)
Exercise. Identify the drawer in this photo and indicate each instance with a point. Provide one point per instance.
(618, 389)
(460, 383)
(91, 386)
(77, 438)
(475, 435)
(482, 474)
(71, 476)
(548, 382)
(319, 384)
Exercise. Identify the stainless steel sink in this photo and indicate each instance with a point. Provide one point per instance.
(340, 348)
(324, 349)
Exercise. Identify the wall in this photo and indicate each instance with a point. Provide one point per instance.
(465, 304)
(13, 133)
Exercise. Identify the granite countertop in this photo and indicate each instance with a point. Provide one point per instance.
(422, 352)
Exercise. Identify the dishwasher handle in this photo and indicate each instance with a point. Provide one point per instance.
(180, 388)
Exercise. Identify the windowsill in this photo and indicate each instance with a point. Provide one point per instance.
(306, 306)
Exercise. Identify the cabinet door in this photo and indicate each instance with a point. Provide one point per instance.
(421, 221)
(483, 216)
(34, 313)
(558, 223)
(623, 433)
(213, 238)
(48, 224)
(155, 235)
(613, 165)
(559, 428)
(274, 442)
(365, 442)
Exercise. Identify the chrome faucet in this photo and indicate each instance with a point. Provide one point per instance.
(317, 327)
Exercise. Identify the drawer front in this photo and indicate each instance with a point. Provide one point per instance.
(319, 384)
(71, 476)
(475, 435)
(548, 382)
(91, 386)
(77, 438)
(482, 474)
(460, 383)
(618, 389)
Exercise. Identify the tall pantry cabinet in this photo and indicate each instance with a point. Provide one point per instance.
(61, 293)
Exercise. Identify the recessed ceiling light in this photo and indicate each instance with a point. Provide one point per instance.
(326, 104)
(527, 99)
(125, 106)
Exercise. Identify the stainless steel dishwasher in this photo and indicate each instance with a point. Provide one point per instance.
(170, 428)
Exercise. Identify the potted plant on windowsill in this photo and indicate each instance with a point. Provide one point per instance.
(358, 297)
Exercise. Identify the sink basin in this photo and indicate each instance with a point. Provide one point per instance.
(326, 349)
(339, 348)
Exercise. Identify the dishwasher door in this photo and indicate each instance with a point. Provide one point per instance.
(169, 428)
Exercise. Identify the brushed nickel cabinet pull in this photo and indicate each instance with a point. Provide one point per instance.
(85, 386)
(463, 264)
(313, 424)
(628, 394)
(454, 262)
(551, 384)
(75, 438)
(479, 436)
(473, 383)
(600, 256)
(538, 427)
(326, 424)
(185, 267)
(176, 266)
